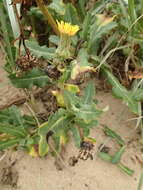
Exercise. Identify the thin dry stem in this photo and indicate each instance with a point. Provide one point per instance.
(33, 113)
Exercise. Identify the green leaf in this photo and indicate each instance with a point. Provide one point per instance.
(40, 51)
(16, 116)
(98, 7)
(101, 26)
(57, 123)
(71, 15)
(84, 125)
(82, 109)
(132, 10)
(16, 128)
(125, 169)
(138, 94)
(86, 132)
(133, 15)
(56, 143)
(118, 93)
(70, 99)
(83, 57)
(35, 12)
(87, 112)
(9, 116)
(43, 146)
(104, 156)
(85, 27)
(13, 116)
(121, 92)
(12, 130)
(8, 143)
(11, 122)
(58, 6)
(65, 76)
(30, 78)
(76, 136)
(29, 121)
(113, 135)
(89, 93)
(81, 7)
(6, 37)
(54, 39)
(117, 157)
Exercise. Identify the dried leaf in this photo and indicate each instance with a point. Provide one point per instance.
(138, 74)
(104, 20)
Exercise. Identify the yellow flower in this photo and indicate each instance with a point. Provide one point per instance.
(67, 28)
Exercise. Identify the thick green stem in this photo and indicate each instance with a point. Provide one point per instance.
(48, 16)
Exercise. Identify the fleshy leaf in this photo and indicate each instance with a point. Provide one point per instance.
(8, 143)
(71, 15)
(40, 51)
(58, 6)
(121, 92)
(57, 123)
(76, 136)
(117, 157)
(30, 78)
(89, 93)
(12, 130)
(59, 94)
(125, 169)
(43, 146)
(113, 135)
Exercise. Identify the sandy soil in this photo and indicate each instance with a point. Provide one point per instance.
(26, 173)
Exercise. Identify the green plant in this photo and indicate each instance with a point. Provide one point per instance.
(17, 130)
(79, 113)
(116, 157)
(6, 32)
(78, 39)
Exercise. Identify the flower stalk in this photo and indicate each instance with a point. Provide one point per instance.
(48, 16)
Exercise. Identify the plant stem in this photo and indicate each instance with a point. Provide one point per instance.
(80, 133)
(48, 16)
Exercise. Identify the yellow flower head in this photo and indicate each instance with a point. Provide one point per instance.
(67, 28)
